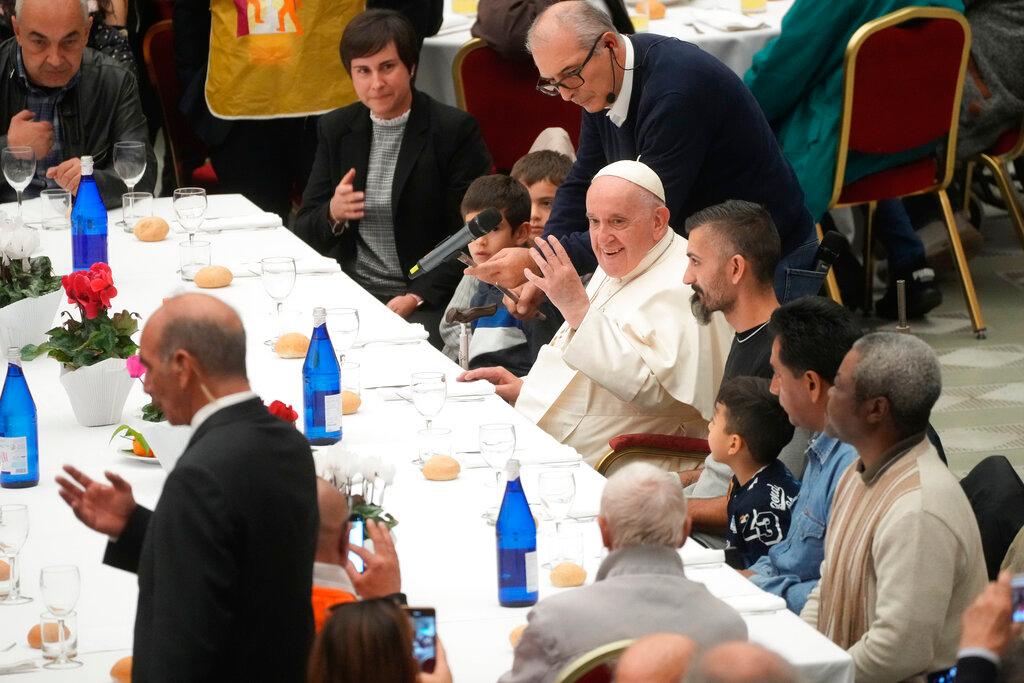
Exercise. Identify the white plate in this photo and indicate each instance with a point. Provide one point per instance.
(127, 454)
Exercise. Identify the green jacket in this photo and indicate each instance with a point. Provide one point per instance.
(798, 80)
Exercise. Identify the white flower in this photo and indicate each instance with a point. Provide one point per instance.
(18, 243)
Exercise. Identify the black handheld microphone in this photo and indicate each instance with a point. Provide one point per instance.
(486, 221)
(832, 245)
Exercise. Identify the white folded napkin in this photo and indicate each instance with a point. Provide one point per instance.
(755, 603)
(458, 390)
(527, 456)
(724, 20)
(694, 555)
(454, 23)
(307, 265)
(409, 333)
(257, 221)
(18, 667)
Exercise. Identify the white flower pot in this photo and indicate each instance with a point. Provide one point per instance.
(26, 321)
(98, 392)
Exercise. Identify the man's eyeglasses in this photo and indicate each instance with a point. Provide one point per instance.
(572, 80)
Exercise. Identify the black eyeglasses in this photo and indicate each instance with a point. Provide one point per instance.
(572, 79)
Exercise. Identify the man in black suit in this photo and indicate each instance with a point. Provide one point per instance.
(224, 560)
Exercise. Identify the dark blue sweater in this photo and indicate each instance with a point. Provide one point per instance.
(693, 121)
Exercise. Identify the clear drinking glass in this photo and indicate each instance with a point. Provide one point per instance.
(429, 391)
(13, 532)
(349, 374)
(56, 641)
(190, 208)
(193, 256)
(135, 205)
(19, 165)
(278, 275)
(56, 209)
(557, 491)
(60, 586)
(431, 442)
(343, 326)
(130, 165)
(497, 444)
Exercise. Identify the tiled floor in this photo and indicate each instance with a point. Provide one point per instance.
(981, 410)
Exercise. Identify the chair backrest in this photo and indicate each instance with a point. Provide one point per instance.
(158, 53)
(502, 95)
(1010, 144)
(903, 78)
(595, 666)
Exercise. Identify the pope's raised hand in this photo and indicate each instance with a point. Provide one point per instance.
(559, 280)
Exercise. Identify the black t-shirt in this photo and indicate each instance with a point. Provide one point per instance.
(759, 511)
(750, 354)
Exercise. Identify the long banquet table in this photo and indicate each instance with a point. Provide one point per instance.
(446, 548)
(735, 49)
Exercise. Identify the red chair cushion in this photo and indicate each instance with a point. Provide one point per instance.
(668, 442)
(1005, 143)
(600, 674)
(905, 86)
(205, 177)
(502, 95)
(891, 183)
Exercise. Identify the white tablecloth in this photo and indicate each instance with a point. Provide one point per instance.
(736, 49)
(446, 548)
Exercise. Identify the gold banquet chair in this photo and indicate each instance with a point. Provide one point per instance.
(1008, 147)
(672, 453)
(595, 666)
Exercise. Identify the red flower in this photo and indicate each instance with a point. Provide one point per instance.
(90, 289)
(102, 283)
(285, 412)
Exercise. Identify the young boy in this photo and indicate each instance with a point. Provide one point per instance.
(747, 432)
(541, 172)
(500, 339)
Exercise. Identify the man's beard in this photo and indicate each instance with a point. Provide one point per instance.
(700, 311)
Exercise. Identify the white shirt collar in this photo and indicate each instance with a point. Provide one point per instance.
(332, 576)
(212, 407)
(620, 109)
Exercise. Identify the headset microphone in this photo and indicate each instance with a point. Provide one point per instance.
(610, 97)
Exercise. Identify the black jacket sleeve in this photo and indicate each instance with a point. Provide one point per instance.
(124, 552)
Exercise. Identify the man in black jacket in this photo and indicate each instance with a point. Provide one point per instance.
(224, 560)
(66, 100)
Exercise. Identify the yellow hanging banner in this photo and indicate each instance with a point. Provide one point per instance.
(278, 58)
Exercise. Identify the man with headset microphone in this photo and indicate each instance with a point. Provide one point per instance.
(677, 109)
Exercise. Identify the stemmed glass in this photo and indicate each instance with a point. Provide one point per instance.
(497, 444)
(60, 586)
(130, 164)
(278, 275)
(13, 532)
(343, 328)
(557, 491)
(19, 164)
(190, 208)
(429, 391)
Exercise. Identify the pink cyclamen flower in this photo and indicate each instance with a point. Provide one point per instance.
(135, 366)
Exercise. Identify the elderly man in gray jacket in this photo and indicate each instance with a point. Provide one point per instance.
(640, 589)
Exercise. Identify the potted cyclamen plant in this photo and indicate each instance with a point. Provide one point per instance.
(92, 351)
(29, 291)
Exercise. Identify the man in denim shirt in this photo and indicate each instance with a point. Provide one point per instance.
(812, 334)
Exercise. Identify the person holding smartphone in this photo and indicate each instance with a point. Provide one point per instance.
(988, 628)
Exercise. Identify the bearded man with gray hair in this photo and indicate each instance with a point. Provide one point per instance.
(903, 556)
(640, 588)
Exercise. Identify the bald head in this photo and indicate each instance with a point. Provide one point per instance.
(204, 326)
(52, 35)
(657, 658)
(573, 19)
(742, 662)
(333, 516)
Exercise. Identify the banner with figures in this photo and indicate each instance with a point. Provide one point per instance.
(278, 58)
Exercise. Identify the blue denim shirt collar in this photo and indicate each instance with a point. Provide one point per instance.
(821, 446)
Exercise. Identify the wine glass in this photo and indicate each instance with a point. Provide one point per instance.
(19, 164)
(60, 586)
(13, 532)
(190, 208)
(557, 491)
(278, 275)
(429, 391)
(343, 328)
(497, 443)
(130, 165)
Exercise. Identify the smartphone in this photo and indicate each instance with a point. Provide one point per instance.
(1017, 585)
(356, 536)
(424, 636)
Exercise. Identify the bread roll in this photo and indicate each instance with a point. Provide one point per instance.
(5, 571)
(292, 345)
(151, 229)
(350, 402)
(567, 575)
(212, 277)
(516, 634)
(122, 670)
(652, 8)
(36, 642)
(441, 468)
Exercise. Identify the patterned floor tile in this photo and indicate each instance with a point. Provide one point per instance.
(984, 358)
(983, 439)
(1014, 277)
(980, 397)
(937, 323)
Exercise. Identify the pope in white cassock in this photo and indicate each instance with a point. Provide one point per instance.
(630, 357)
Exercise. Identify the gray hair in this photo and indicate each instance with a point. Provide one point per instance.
(19, 4)
(218, 347)
(644, 505)
(577, 18)
(904, 370)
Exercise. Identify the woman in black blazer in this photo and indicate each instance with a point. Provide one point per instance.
(390, 172)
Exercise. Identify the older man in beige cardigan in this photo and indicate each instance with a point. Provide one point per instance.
(903, 555)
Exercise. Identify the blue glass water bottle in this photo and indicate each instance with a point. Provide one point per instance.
(19, 432)
(321, 386)
(517, 545)
(88, 222)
